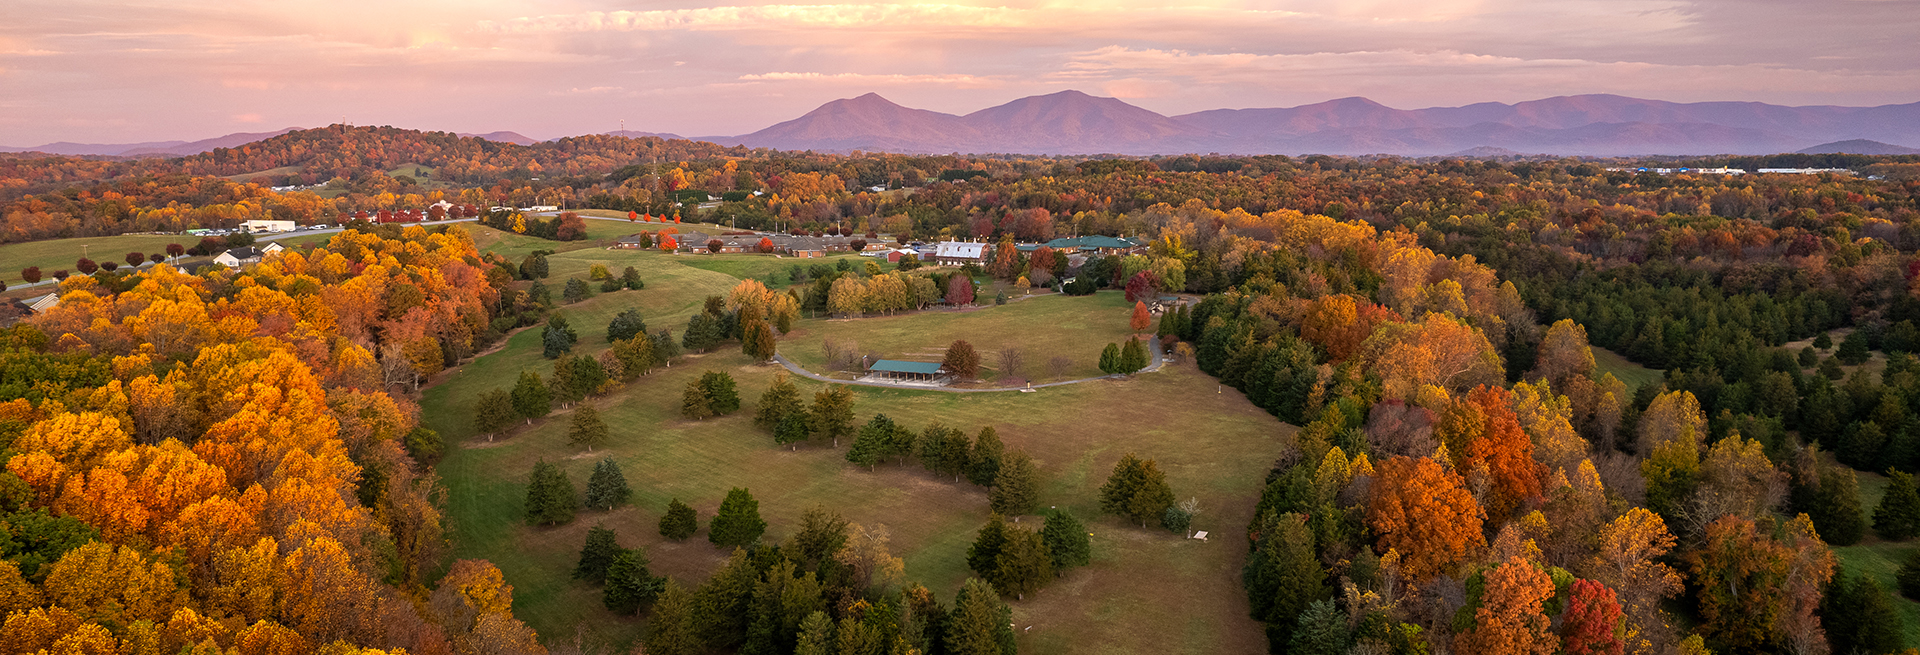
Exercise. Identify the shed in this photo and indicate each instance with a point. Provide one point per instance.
(894, 368)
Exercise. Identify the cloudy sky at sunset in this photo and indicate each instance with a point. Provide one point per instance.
(110, 72)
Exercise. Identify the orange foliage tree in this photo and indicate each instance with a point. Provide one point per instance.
(1511, 619)
(1424, 511)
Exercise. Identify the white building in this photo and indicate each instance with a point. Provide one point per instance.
(267, 226)
(237, 257)
(960, 253)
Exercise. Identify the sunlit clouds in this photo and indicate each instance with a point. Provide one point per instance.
(118, 72)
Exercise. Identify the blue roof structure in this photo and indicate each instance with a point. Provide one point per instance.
(897, 366)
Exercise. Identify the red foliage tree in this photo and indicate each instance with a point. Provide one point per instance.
(766, 244)
(1593, 615)
(156, 258)
(668, 243)
(857, 245)
(572, 227)
(86, 266)
(1142, 285)
(632, 215)
(175, 250)
(960, 290)
(714, 245)
(1141, 318)
(31, 274)
(110, 266)
(1505, 450)
(134, 258)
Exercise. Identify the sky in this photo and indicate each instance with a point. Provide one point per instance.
(119, 72)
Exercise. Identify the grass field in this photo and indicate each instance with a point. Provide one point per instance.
(54, 254)
(1634, 375)
(1042, 327)
(1880, 559)
(1147, 591)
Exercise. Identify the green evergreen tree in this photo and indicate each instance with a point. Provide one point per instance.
(1861, 445)
(1853, 349)
(626, 325)
(630, 585)
(1321, 630)
(983, 464)
(695, 403)
(1066, 540)
(816, 636)
(1169, 325)
(1823, 341)
(1898, 516)
(1176, 520)
(822, 533)
(1017, 487)
(1909, 574)
(899, 443)
(587, 430)
(1859, 616)
(757, 341)
(871, 444)
(550, 496)
(956, 454)
(704, 332)
(674, 622)
(1133, 357)
(531, 399)
(1023, 566)
(721, 392)
(597, 555)
(738, 522)
(793, 429)
(576, 291)
(1283, 575)
(724, 606)
(607, 487)
(494, 412)
(539, 294)
(554, 343)
(1837, 516)
(780, 400)
(630, 279)
(1137, 490)
(984, 555)
(980, 624)
(832, 413)
(1110, 359)
(680, 521)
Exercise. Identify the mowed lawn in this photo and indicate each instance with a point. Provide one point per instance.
(1881, 559)
(1147, 591)
(1634, 375)
(1041, 327)
(56, 254)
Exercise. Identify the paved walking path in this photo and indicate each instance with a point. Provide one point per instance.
(1153, 346)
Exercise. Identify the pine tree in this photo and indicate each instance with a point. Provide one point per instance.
(630, 279)
(675, 627)
(984, 555)
(587, 429)
(1066, 540)
(1133, 357)
(983, 464)
(780, 400)
(980, 624)
(680, 521)
(1016, 487)
(1023, 566)
(554, 343)
(1320, 630)
(1283, 575)
(704, 332)
(871, 444)
(1110, 359)
(1859, 616)
(1909, 575)
(695, 403)
(608, 486)
(756, 340)
(721, 392)
(550, 496)
(1136, 489)
(630, 585)
(1837, 516)
(626, 325)
(494, 412)
(1898, 516)
(531, 399)
(816, 636)
(597, 555)
(793, 429)
(832, 413)
(738, 522)
(576, 291)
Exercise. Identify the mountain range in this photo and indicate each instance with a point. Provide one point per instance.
(1075, 123)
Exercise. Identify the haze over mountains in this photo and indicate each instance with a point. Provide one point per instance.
(1075, 123)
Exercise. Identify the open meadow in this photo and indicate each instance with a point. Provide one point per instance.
(1041, 327)
(1147, 590)
(56, 254)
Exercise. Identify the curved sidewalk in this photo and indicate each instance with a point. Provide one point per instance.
(1153, 346)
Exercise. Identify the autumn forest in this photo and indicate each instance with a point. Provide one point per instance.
(1506, 406)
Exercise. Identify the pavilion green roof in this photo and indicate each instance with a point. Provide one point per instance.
(897, 366)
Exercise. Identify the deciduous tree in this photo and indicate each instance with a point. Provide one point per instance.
(1016, 487)
(961, 361)
(587, 430)
(1511, 619)
(1423, 511)
(531, 399)
(832, 413)
(1592, 622)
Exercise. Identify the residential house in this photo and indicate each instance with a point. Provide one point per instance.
(237, 257)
